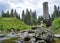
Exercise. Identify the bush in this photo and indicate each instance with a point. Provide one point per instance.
(56, 26)
(56, 23)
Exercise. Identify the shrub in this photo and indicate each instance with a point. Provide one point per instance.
(56, 23)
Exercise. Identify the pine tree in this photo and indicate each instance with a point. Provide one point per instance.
(2, 13)
(12, 13)
(18, 16)
(8, 15)
(28, 16)
(34, 18)
(23, 15)
(15, 13)
(31, 16)
(55, 12)
(39, 20)
(58, 11)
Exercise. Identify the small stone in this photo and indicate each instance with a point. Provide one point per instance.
(40, 41)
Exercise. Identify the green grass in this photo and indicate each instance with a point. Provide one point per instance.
(56, 40)
(56, 31)
(12, 40)
(8, 23)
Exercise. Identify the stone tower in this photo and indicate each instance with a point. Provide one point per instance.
(45, 11)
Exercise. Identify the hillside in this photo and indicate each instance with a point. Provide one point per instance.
(8, 23)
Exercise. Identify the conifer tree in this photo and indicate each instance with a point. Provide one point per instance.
(12, 13)
(23, 15)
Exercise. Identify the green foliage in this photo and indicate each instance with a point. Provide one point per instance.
(23, 15)
(8, 23)
(56, 12)
(30, 18)
(34, 18)
(39, 19)
(56, 25)
(27, 17)
(56, 22)
(12, 13)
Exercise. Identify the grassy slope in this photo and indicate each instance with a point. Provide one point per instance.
(7, 23)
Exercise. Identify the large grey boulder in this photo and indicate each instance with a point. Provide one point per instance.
(44, 34)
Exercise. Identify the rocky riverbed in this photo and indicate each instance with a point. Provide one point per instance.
(29, 36)
(13, 37)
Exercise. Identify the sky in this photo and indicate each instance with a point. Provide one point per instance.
(20, 5)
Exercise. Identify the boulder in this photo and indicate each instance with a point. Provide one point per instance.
(44, 34)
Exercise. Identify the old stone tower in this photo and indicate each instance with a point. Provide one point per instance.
(45, 11)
